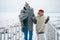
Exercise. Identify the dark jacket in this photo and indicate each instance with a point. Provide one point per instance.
(27, 18)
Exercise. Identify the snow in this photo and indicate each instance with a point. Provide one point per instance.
(7, 19)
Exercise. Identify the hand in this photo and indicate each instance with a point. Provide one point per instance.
(47, 20)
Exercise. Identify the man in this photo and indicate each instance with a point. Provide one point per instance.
(26, 19)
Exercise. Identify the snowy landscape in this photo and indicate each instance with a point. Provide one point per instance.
(13, 19)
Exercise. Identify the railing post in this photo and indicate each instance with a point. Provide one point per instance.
(18, 31)
(0, 36)
(3, 33)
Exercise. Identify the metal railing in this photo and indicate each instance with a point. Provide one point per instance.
(3, 31)
(11, 33)
(52, 33)
(14, 32)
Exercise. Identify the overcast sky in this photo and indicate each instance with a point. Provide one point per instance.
(17, 5)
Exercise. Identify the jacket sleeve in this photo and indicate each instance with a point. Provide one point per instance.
(33, 13)
(33, 17)
(20, 18)
(23, 15)
(34, 20)
(47, 20)
(20, 13)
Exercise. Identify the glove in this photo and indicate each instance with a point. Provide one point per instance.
(47, 20)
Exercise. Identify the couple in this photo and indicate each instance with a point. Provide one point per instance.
(27, 18)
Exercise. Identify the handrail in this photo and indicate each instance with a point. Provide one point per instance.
(14, 34)
(55, 31)
(2, 28)
(52, 26)
(14, 31)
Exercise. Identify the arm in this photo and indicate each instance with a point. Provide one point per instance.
(23, 15)
(22, 25)
(34, 21)
(47, 20)
(34, 18)
(20, 17)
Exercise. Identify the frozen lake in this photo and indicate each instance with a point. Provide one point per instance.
(7, 18)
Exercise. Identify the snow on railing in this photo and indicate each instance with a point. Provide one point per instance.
(11, 33)
(51, 32)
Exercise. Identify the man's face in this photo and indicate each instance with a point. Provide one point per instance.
(27, 7)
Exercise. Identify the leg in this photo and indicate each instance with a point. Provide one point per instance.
(30, 35)
(40, 37)
(45, 36)
(25, 32)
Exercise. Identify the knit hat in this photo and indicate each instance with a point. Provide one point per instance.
(41, 10)
(26, 4)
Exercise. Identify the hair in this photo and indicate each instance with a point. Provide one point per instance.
(24, 8)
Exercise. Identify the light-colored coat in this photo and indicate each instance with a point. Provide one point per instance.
(40, 26)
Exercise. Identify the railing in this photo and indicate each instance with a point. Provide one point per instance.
(2, 32)
(51, 31)
(12, 33)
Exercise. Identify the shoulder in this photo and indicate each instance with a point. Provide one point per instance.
(31, 9)
(22, 11)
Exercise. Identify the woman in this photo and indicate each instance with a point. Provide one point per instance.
(40, 22)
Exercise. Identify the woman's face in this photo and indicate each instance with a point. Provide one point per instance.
(41, 13)
(27, 7)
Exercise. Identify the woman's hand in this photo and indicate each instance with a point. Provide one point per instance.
(47, 20)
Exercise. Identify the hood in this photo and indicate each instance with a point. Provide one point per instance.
(26, 4)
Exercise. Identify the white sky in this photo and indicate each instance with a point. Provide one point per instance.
(17, 5)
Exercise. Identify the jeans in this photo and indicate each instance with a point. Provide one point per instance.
(26, 33)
